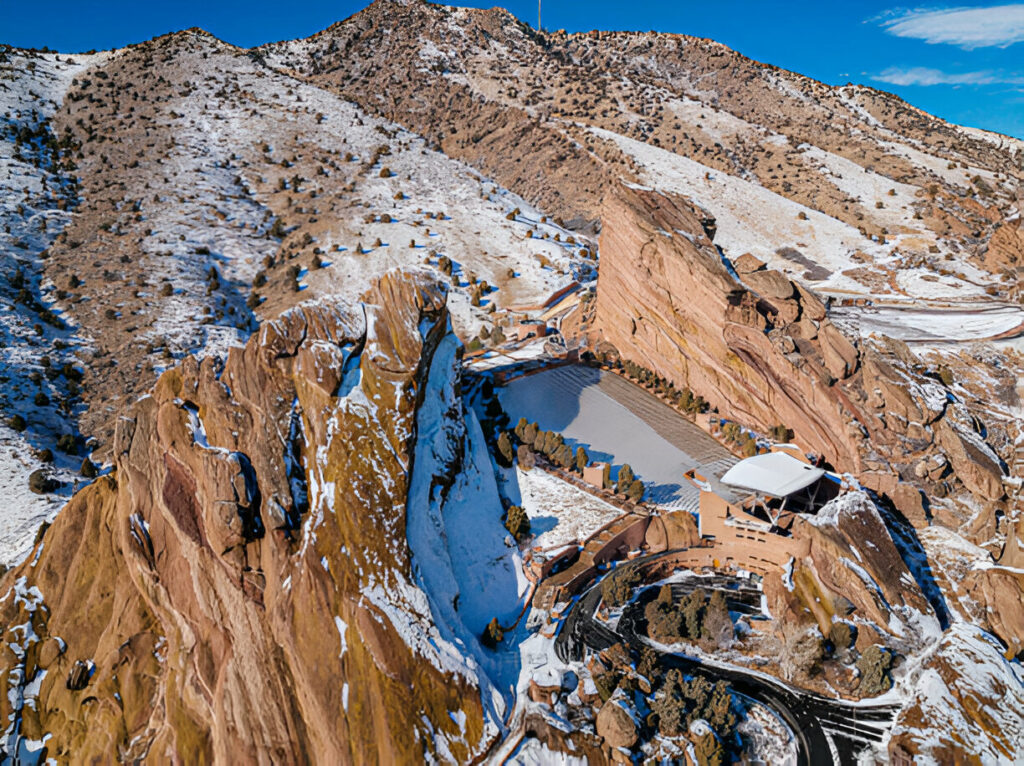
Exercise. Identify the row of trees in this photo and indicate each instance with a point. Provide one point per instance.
(681, 701)
(551, 445)
(734, 434)
(685, 400)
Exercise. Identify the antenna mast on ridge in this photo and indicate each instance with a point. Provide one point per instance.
(538, 15)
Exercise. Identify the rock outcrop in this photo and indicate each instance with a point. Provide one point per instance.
(853, 570)
(229, 592)
(1005, 250)
(615, 724)
(963, 703)
(999, 593)
(980, 590)
(763, 351)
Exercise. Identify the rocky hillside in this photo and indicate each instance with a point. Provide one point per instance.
(237, 287)
(188, 192)
(762, 349)
(555, 116)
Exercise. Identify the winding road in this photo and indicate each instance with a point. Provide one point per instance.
(827, 731)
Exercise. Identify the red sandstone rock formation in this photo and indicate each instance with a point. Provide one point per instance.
(666, 300)
(762, 350)
(852, 568)
(1006, 247)
(212, 599)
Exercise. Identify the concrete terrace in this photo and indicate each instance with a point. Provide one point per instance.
(620, 422)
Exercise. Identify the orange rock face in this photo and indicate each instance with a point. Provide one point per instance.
(225, 594)
(841, 552)
(762, 350)
(1005, 248)
(666, 300)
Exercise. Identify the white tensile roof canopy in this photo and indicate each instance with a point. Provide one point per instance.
(773, 473)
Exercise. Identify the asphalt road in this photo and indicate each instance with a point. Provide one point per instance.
(814, 720)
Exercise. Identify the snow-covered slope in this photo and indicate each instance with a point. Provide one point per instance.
(464, 559)
(37, 198)
(804, 243)
(962, 674)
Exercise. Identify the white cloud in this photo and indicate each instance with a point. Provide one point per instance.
(969, 28)
(920, 75)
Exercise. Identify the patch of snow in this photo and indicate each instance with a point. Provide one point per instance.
(533, 752)
(947, 685)
(342, 627)
(559, 512)
(460, 560)
(752, 219)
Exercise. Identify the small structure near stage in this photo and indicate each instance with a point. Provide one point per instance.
(597, 475)
(525, 330)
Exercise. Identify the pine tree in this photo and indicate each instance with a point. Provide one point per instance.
(517, 522)
(709, 750)
(505, 452)
(692, 608)
(520, 430)
(493, 634)
(582, 459)
(530, 433)
(552, 441)
(538, 441)
(717, 625)
(618, 586)
(647, 665)
(874, 666)
(664, 621)
(718, 711)
(625, 478)
(669, 705)
(563, 455)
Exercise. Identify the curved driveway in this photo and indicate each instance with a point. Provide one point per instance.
(820, 725)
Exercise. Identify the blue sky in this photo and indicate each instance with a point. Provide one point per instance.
(962, 61)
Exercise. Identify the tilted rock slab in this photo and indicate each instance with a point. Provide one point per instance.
(666, 301)
(229, 592)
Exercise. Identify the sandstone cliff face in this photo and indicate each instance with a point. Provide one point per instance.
(666, 300)
(763, 351)
(229, 592)
(978, 589)
(964, 703)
